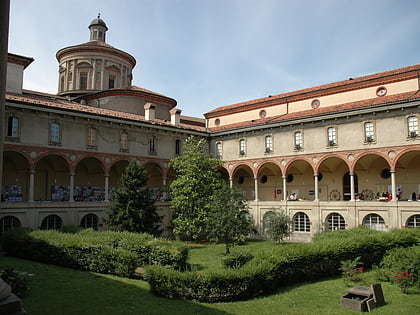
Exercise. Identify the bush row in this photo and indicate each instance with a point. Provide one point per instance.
(104, 252)
(284, 265)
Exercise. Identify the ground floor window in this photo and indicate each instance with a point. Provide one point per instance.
(336, 221)
(375, 222)
(268, 217)
(8, 222)
(301, 222)
(414, 221)
(51, 222)
(90, 221)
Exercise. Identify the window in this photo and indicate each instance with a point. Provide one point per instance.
(301, 222)
(369, 132)
(83, 81)
(55, 135)
(219, 151)
(332, 136)
(13, 127)
(111, 82)
(51, 222)
(8, 222)
(414, 221)
(177, 147)
(375, 222)
(91, 136)
(90, 221)
(336, 222)
(268, 144)
(152, 144)
(298, 140)
(123, 141)
(242, 147)
(413, 126)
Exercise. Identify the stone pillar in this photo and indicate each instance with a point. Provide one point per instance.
(230, 182)
(352, 197)
(393, 186)
(316, 187)
(31, 185)
(256, 187)
(74, 76)
(284, 187)
(107, 188)
(102, 74)
(71, 197)
(94, 74)
(164, 194)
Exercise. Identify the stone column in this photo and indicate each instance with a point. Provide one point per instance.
(164, 194)
(94, 74)
(316, 187)
(31, 185)
(284, 187)
(71, 197)
(230, 182)
(352, 197)
(102, 74)
(106, 188)
(393, 186)
(256, 188)
(74, 76)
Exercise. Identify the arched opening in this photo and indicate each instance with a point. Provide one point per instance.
(270, 182)
(332, 171)
(335, 221)
(8, 223)
(267, 219)
(89, 180)
(300, 183)
(301, 222)
(413, 221)
(374, 221)
(155, 181)
(51, 222)
(15, 177)
(115, 172)
(408, 176)
(90, 221)
(243, 179)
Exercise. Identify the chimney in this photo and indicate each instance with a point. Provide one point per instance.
(149, 111)
(175, 116)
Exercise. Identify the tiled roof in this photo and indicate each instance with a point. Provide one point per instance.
(317, 91)
(59, 103)
(324, 110)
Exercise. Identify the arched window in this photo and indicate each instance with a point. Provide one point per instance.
(268, 217)
(336, 221)
(413, 221)
(51, 222)
(9, 222)
(375, 222)
(90, 221)
(301, 222)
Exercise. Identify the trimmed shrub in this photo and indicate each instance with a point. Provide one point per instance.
(236, 260)
(283, 265)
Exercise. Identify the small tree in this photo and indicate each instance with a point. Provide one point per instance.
(278, 225)
(229, 219)
(191, 191)
(133, 208)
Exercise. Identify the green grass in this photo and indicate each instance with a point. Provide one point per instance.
(56, 290)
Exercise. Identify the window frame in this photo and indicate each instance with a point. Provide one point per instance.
(332, 136)
(123, 141)
(373, 218)
(369, 132)
(83, 80)
(13, 126)
(219, 149)
(335, 220)
(268, 144)
(298, 141)
(152, 143)
(178, 147)
(412, 127)
(242, 147)
(54, 134)
(413, 221)
(92, 137)
(301, 223)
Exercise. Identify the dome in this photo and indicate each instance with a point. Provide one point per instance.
(98, 21)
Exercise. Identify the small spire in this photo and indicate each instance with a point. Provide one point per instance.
(99, 15)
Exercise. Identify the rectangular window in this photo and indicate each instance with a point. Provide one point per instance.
(55, 132)
(123, 141)
(83, 80)
(177, 146)
(219, 151)
(91, 136)
(242, 147)
(111, 82)
(152, 144)
(298, 140)
(413, 126)
(13, 127)
(332, 137)
(268, 144)
(369, 132)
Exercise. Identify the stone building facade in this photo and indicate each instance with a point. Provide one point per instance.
(334, 156)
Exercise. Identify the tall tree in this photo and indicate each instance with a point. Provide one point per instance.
(192, 190)
(133, 208)
(229, 219)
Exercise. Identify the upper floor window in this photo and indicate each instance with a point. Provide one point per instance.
(268, 144)
(332, 136)
(91, 136)
(177, 146)
(124, 141)
(55, 132)
(83, 80)
(13, 127)
(152, 144)
(369, 132)
(242, 147)
(111, 82)
(413, 126)
(298, 140)
(219, 151)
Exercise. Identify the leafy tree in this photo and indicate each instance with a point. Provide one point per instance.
(192, 190)
(133, 208)
(229, 219)
(278, 225)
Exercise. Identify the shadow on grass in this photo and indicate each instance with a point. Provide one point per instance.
(57, 290)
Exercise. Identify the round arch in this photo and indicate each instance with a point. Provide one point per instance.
(155, 182)
(270, 182)
(374, 221)
(300, 179)
(243, 179)
(89, 180)
(9, 222)
(15, 179)
(331, 171)
(407, 173)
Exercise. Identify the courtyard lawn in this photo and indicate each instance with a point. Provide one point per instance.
(56, 290)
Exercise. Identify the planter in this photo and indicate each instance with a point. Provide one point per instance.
(355, 302)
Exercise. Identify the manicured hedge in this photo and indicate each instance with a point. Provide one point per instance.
(105, 252)
(290, 264)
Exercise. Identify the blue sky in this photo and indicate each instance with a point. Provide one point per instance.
(212, 53)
